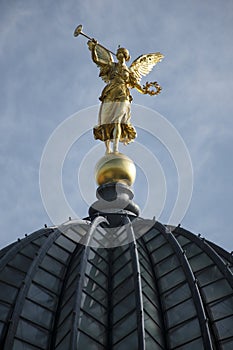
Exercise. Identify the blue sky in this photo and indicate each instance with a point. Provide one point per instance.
(47, 75)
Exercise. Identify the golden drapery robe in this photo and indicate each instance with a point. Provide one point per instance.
(115, 108)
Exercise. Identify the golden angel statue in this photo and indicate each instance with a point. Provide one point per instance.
(114, 114)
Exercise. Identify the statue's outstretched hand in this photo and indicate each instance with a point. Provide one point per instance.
(156, 88)
(92, 43)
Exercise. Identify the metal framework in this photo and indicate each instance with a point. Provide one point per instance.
(162, 290)
(20, 244)
(193, 284)
(24, 289)
(161, 310)
(203, 244)
(138, 288)
(80, 281)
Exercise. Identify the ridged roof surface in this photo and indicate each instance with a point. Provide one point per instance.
(167, 289)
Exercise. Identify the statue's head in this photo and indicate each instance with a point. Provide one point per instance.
(124, 52)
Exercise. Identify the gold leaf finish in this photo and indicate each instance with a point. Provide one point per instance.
(115, 168)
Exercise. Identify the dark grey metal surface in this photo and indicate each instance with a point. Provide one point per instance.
(138, 288)
(193, 284)
(163, 290)
(24, 289)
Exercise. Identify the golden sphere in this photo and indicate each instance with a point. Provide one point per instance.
(115, 167)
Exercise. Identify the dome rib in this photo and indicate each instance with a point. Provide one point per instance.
(223, 254)
(110, 300)
(18, 246)
(69, 286)
(80, 255)
(193, 284)
(215, 284)
(14, 268)
(138, 287)
(61, 296)
(211, 252)
(25, 287)
(179, 309)
(80, 280)
(78, 295)
(161, 309)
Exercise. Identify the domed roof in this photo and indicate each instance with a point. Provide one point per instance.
(167, 289)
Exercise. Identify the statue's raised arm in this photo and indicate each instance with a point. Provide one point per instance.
(102, 57)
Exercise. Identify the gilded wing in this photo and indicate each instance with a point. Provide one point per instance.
(103, 58)
(144, 64)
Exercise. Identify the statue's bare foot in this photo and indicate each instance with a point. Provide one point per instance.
(115, 146)
(115, 150)
(108, 150)
(108, 147)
